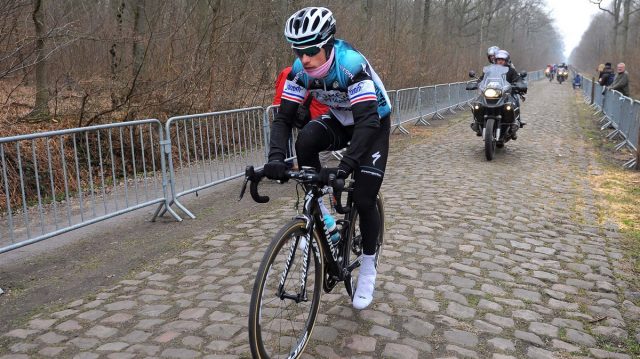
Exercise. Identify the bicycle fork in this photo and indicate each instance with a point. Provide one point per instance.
(301, 296)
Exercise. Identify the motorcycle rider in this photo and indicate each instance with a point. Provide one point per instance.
(503, 58)
(491, 54)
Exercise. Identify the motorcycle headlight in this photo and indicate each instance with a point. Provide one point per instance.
(492, 93)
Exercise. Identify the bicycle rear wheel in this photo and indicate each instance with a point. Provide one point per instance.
(283, 311)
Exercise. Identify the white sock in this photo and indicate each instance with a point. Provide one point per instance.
(366, 282)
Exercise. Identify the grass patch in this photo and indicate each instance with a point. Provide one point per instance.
(473, 300)
(618, 190)
(562, 333)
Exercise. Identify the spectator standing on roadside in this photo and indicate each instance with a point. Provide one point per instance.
(606, 75)
(621, 82)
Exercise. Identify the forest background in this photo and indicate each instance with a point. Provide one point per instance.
(73, 63)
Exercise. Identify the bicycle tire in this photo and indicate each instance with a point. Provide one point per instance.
(267, 339)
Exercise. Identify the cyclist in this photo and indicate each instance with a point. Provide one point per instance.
(340, 77)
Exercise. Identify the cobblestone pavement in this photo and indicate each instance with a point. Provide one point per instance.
(482, 259)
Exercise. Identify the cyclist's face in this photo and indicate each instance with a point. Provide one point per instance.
(315, 61)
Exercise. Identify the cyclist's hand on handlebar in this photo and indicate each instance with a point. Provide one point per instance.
(276, 170)
(325, 174)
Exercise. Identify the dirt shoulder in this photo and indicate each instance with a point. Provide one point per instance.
(78, 263)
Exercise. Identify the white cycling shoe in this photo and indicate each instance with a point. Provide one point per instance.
(366, 283)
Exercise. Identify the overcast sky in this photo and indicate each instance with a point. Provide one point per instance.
(572, 17)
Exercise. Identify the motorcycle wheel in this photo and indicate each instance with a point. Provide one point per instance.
(489, 139)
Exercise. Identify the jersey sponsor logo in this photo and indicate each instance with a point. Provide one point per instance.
(355, 89)
(362, 91)
(382, 101)
(346, 72)
(291, 87)
(370, 173)
(335, 99)
(293, 92)
(375, 156)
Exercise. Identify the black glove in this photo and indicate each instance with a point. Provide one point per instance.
(337, 171)
(276, 170)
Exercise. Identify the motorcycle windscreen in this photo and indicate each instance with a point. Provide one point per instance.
(495, 76)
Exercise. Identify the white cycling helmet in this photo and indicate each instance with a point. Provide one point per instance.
(503, 54)
(310, 26)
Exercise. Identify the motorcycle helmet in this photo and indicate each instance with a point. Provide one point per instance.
(503, 54)
(310, 26)
(491, 52)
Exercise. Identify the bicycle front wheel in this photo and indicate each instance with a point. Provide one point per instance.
(286, 294)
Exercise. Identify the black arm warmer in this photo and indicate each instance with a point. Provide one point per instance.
(281, 130)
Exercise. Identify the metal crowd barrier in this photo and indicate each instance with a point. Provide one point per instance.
(91, 174)
(99, 172)
(206, 149)
(620, 114)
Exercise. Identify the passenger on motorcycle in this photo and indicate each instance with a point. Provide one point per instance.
(503, 58)
(491, 54)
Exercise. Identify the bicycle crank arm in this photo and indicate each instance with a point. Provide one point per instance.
(348, 285)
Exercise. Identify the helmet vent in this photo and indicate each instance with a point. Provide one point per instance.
(310, 26)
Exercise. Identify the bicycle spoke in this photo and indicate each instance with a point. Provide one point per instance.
(285, 315)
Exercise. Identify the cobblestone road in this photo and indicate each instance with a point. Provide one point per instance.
(482, 259)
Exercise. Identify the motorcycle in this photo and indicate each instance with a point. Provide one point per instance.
(496, 111)
(562, 75)
(548, 73)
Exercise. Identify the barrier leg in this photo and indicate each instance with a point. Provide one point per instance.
(401, 129)
(422, 121)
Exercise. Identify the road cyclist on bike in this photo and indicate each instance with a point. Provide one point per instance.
(339, 76)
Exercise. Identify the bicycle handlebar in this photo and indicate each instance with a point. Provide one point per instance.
(302, 176)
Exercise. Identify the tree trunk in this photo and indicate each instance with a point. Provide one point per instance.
(213, 78)
(424, 34)
(367, 7)
(138, 35)
(116, 57)
(41, 109)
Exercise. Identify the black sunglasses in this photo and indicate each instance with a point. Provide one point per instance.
(309, 51)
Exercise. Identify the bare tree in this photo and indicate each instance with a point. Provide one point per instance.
(628, 10)
(615, 12)
(40, 111)
(116, 60)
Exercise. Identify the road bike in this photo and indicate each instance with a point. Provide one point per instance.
(300, 262)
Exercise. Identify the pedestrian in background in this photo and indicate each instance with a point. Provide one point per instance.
(621, 82)
(606, 75)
